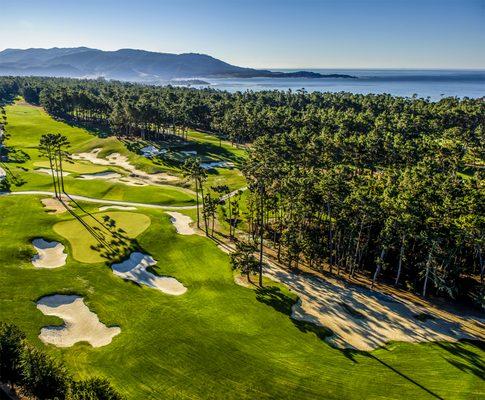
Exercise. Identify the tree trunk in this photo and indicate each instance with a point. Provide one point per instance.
(197, 201)
(482, 265)
(62, 172)
(401, 254)
(330, 237)
(357, 248)
(206, 224)
(57, 175)
(378, 268)
(230, 217)
(428, 264)
(52, 173)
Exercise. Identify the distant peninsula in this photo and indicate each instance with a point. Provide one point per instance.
(131, 65)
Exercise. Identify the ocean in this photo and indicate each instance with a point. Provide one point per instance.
(425, 83)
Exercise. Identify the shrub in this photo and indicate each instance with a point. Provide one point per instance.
(42, 376)
(94, 389)
(12, 342)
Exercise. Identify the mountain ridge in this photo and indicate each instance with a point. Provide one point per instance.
(131, 65)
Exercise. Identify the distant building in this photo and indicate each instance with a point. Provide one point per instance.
(151, 151)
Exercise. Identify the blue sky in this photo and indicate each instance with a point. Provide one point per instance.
(262, 33)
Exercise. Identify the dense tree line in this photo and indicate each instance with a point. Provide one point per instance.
(393, 188)
(32, 373)
(387, 186)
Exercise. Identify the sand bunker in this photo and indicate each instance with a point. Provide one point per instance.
(123, 208)
(115, 177)
(181, 222)
(101, 175)
(135, 269)
(137, 177)
(54, 206)
(3, 173)
(80, 324)
(50, 254)
(361, 318)
(48, 171)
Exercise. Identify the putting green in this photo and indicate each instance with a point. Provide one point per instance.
(88, 232)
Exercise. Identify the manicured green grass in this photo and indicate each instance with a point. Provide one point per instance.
(78, 167)
(132, 224)
(218, 340)
(26, 124)
(234, 179)
(209, 147)
(237, 152)
(110, 190)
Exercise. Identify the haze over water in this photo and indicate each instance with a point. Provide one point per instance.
(434, 84)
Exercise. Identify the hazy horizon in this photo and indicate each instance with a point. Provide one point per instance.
(311, 34)
(364, 68)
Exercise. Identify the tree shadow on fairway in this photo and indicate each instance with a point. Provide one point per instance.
(113, 243)
(468, 361)
(274, 297)
(210, 151)
(94, 128)
(404, 376)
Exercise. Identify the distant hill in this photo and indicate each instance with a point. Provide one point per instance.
(130, 65)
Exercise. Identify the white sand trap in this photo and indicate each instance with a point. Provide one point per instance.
(115, 177)
(48, 171)
(181, 222)
(135, 269)
(101, 175)
(3, 173)
(54, 206)
(137, 176)
(361, 318)
(123, 208)
(50, 254)
(80, 324)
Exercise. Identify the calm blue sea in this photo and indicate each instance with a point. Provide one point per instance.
(399, 82)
